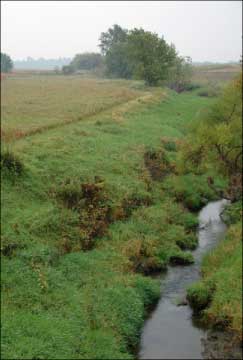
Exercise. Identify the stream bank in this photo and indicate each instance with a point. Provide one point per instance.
(171, 331)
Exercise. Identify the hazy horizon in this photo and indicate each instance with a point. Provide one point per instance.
(208, 31)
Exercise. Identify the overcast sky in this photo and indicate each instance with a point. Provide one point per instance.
(204, 30)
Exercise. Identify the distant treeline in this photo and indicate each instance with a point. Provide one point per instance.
(41, 63)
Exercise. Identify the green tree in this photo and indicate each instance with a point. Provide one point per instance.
(113, 45)
(114, 35)
(180, 74)
(150, 57)
(117, 63)
(216, 140)
(6, 63)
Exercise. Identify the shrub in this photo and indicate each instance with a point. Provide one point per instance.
(11, 163)
(190, 221)
(169, 144)
(158, 164)
(92, 205)
(232, 213)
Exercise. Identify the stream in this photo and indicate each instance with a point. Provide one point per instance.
(171, 332)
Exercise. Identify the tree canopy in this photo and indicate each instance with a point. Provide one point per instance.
(139, 54)
(216, 139)
(6, 63)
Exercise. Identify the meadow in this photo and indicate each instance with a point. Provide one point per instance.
(97, 204)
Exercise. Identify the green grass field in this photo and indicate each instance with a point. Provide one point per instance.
(67, 292)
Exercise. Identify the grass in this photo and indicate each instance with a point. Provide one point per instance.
(32, 104)
(218, 295)
(89, 302)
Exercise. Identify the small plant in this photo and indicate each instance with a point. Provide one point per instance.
(169, 144)
(11, 163)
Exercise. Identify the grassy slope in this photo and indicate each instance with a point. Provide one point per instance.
(87, 304)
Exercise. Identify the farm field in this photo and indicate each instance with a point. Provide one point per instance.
(219, 74)
(87, 150)
(31, 104)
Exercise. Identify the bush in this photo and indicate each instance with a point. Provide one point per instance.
(232, 213)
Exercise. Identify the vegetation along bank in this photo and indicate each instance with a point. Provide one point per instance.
(100, 194)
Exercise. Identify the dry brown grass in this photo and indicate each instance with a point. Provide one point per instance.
(215, 73)
(32, 104)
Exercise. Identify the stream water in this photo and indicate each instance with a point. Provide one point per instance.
(170, 332)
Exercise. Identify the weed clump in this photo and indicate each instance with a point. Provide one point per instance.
(158, 164)
(92, 205)
(170, 144)
(143, 257)
(181, 258)
(135, 201)
(199, 296)
(8, 247)
(11, 163)
(187, 242)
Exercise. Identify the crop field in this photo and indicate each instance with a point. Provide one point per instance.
(218, 74)
(31, 104)
(85, 215)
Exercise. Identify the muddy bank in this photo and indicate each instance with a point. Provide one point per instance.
(218, 345)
